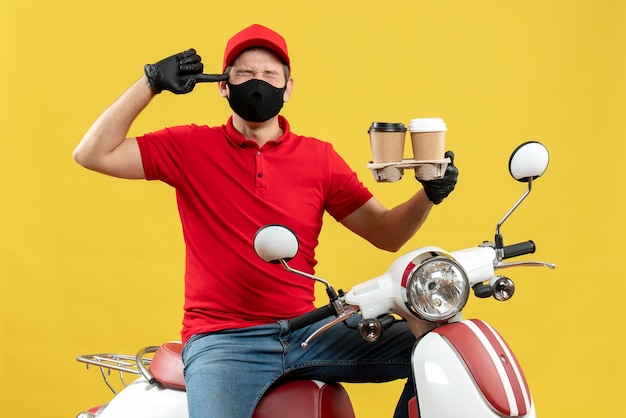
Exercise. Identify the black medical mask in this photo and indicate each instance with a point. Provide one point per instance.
(256, 100)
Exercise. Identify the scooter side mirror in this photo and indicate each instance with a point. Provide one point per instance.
(274, 243)
(528, 161)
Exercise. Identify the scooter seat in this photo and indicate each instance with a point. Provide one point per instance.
(305, 399)
(167, 366)
(290, 398)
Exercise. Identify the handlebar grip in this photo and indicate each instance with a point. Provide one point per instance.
(521, 248)
(311, 317)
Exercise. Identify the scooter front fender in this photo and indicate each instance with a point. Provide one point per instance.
(467, 369)
(141, 399)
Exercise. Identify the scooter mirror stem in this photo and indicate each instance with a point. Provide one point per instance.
(498, 238)
(330, 291)
(303, 274)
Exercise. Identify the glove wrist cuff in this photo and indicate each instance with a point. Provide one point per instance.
(151, 74)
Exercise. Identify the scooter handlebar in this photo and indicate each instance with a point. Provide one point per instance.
(518, 249)
(311, 317)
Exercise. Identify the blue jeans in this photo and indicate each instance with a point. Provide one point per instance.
(228, 372)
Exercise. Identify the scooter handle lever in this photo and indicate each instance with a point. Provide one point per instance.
(501, 265)
(351, 311)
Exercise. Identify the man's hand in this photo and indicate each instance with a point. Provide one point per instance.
(439, 189)
(178, 73)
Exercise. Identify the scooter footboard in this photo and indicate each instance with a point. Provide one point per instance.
(467, 369)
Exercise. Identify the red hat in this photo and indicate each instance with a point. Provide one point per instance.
(255, 35)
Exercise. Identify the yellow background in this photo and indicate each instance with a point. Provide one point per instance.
(94, 264)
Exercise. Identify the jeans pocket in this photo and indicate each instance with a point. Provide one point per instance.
(188, 344)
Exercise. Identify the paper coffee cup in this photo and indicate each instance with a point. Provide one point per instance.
(428, 138)
(387, 141)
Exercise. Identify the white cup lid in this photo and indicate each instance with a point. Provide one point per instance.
(427, 125)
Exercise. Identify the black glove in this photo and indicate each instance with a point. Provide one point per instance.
(178, 73)
(439, 189)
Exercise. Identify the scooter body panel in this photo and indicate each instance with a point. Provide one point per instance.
(466, 369)
(141, 399)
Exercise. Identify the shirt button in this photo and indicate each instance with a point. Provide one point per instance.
(259, 175)
(258, 153)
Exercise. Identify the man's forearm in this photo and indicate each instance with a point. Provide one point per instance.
(403, 221)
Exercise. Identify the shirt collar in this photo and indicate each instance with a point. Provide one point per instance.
(238, 139)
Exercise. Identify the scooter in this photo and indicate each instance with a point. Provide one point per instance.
(460, 367)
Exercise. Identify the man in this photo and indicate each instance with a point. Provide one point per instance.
(232, 179)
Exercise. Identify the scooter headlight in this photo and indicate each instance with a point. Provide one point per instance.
(437, 287)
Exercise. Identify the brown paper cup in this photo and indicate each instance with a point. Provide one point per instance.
(428, 145)
(387, 141)
(428, 138)
(387, 147)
